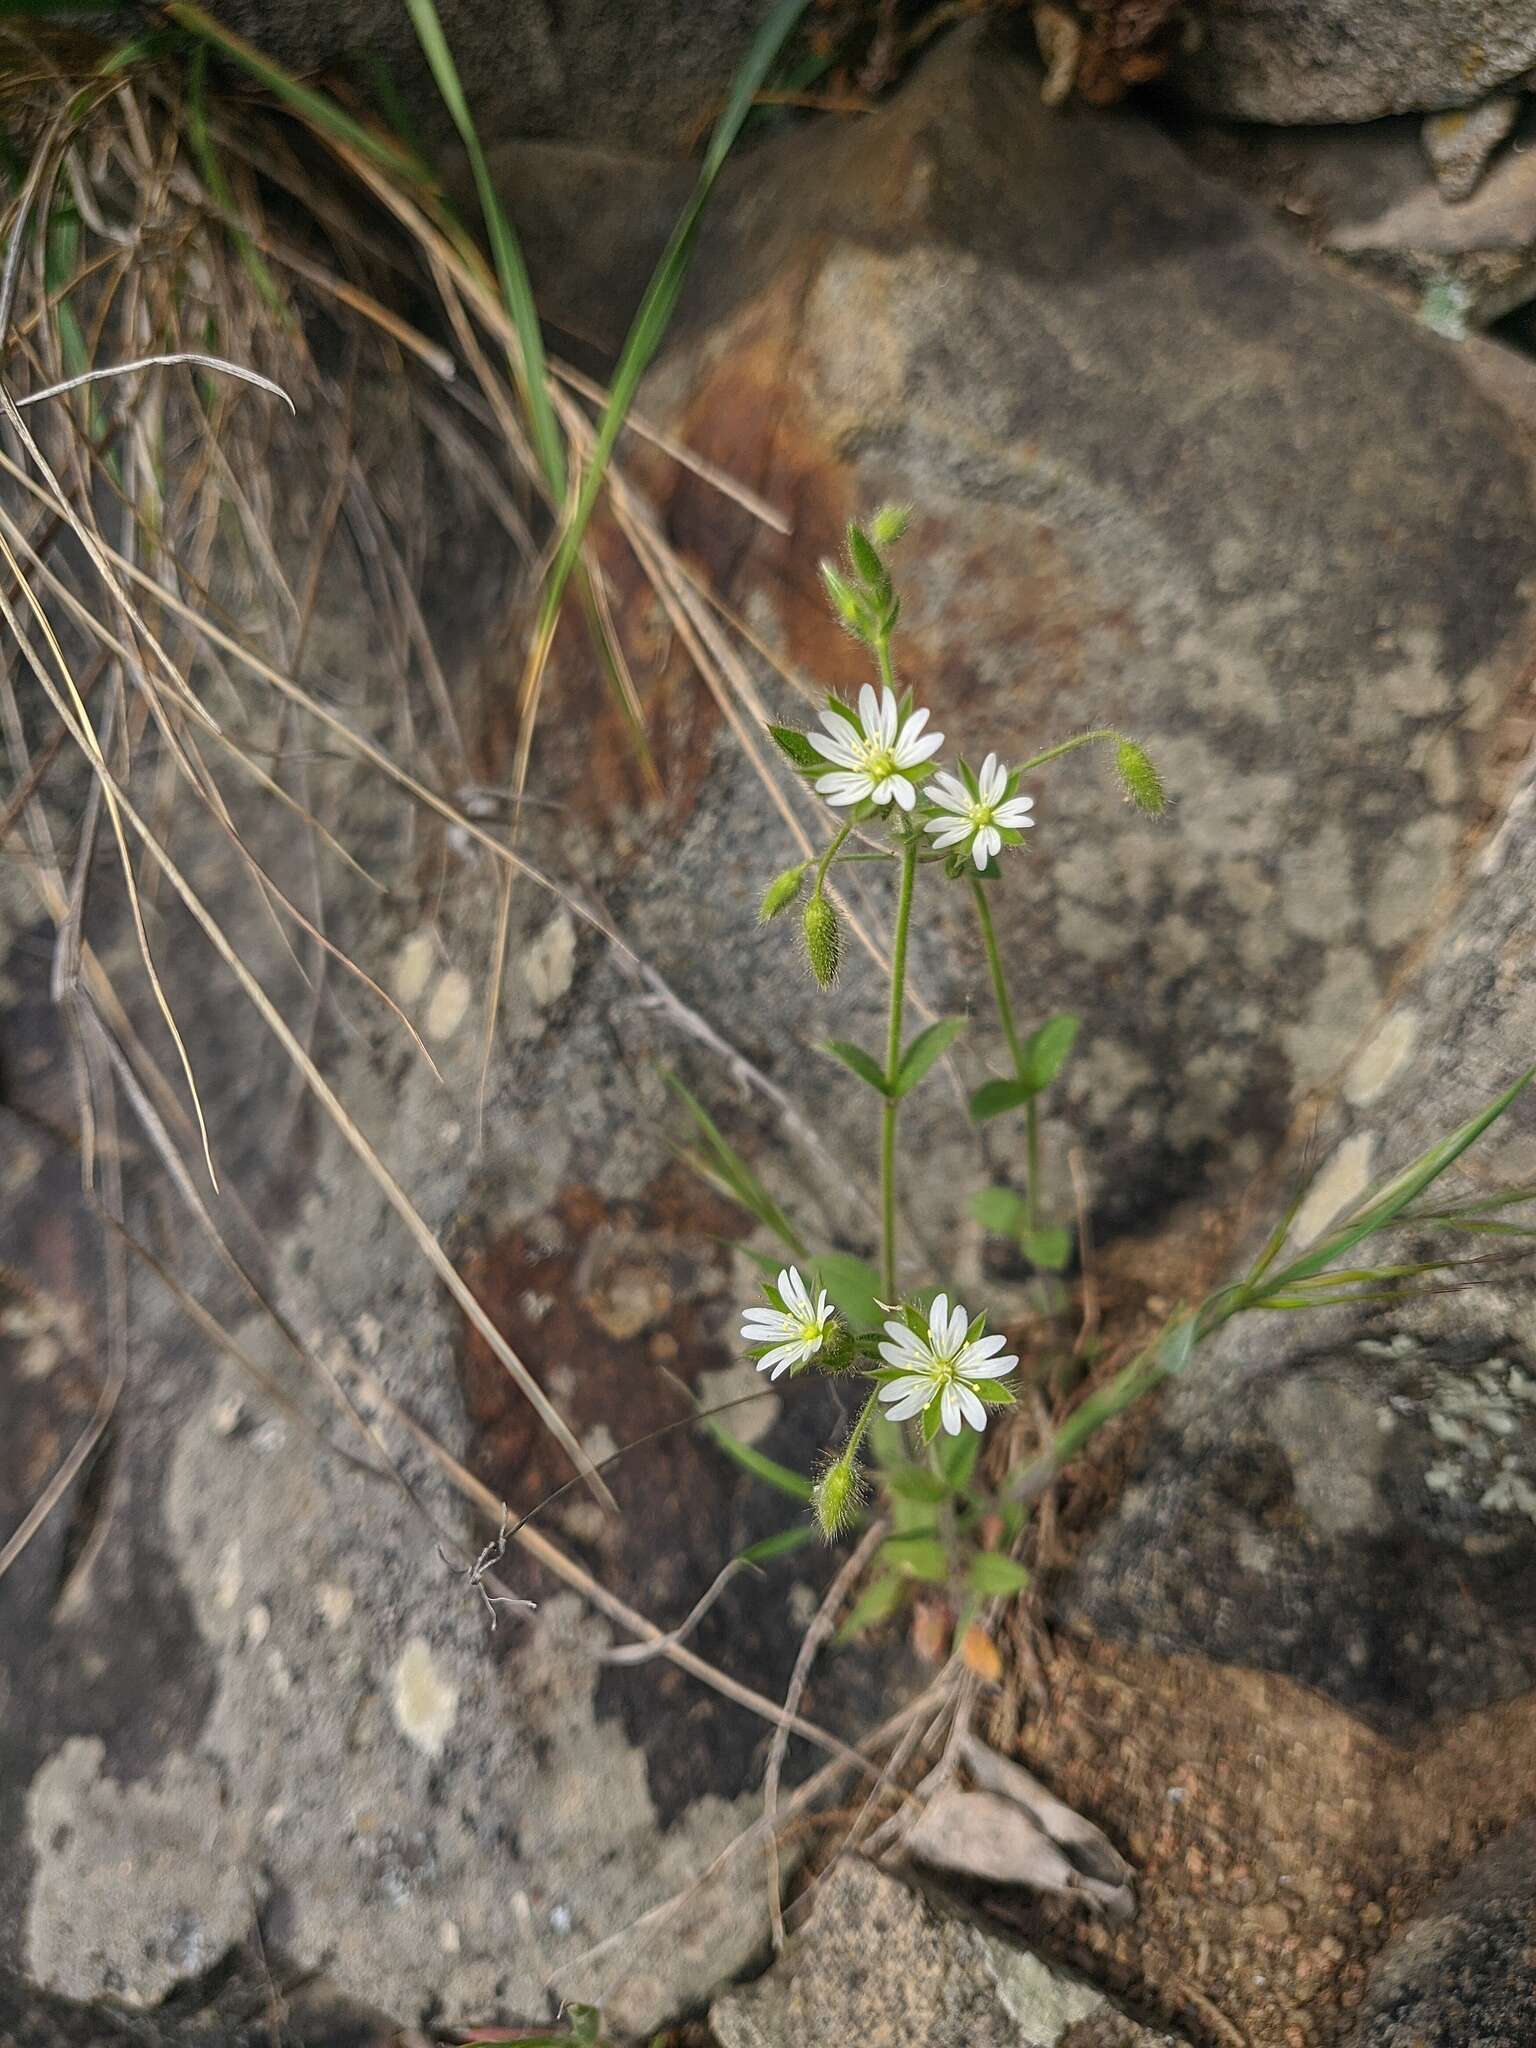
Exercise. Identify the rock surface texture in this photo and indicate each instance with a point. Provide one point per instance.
(1349, 1498)
(879, 1958)
(651, 73)
(1352, 60)
(1162, 480)
(1463, 1975)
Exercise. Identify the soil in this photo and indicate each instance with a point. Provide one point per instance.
(1278, 1843)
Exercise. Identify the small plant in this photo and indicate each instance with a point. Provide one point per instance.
(933, 1373)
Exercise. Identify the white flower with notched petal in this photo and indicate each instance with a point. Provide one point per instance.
(942, 1364)
(982, 809)
(793, 1332)
(875, 754)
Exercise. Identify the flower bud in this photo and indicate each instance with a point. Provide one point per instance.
(839, 1350)
(1140, 781)
(781, 892)
(889, 524)
(865, 558)
(847, 602)
(839, 1494)
(823, 939)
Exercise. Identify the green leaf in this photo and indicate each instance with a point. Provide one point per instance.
(919, 1556)
(858, 1062)
(780, 1545)
(739, 1179)
(853, 1285)
(999, 1210)
(1046, 1050)
(996, 1393)
(878, 1602)
(1049, 1249)
(912, 1482)
(992, 1098)
(752, 1460)
(957, 1457)
(793, 743)
(992, 1573)
(929, 1045)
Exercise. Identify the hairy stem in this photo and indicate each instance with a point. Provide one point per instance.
(827, 859)
(892, 1063)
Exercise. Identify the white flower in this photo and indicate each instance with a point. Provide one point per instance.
(939, 1365)
(977, 814)
(875, 757)
(795, 1332)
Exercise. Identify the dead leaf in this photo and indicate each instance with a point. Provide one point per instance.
(981, 1655)
(1011, 1830)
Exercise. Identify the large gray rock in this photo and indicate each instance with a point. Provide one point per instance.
(1170, 475)
(1351, 60)
(1162, 478)
(880, 1963)
(1462, 1974)
(1349, 1497)
(652, 71)
(1368, 197)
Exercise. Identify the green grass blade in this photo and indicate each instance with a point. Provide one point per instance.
(1387, 1203)
(317, 108)
(531, 373)
(655, 311)
(212, 169)
(735, 1172)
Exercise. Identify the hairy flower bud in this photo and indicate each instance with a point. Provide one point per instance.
(889, 524)
(823, 939)
(865, 557)
(781, 892)
(839, 1494)
(1140, 781)
(839, 1350)
(849, 604)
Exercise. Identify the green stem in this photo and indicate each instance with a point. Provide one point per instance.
(1015, 1046)
(892, 1063)
(827, 858)
(1082, 739)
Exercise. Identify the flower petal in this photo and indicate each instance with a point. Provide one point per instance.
(906, 1398)
(970, 1407)
(890, 714)
(869, 711)
(938, 1320)
(948, 831)
(902, 790)
(949, 1410)
(909, 752)
(843, 788)
(839, 748)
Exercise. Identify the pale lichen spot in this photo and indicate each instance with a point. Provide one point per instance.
(549, 964)
(1419, 684)
(449, 1005)
(413, 967)
(1342, 1181)
(1416, 870)
(1383, 1057)
(1321, 1041)
(334, 1603)
(229, 1576)
(424, 1701)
